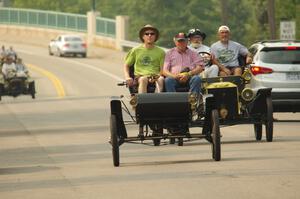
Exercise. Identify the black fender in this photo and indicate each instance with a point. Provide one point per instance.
(116, 109)
(210, 104)
(259, 105)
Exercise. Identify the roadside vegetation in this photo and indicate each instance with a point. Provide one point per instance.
(249, 20)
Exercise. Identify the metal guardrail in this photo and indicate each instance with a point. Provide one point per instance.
(55, 20)
(62, 21)
(132, 44)
(43, 19)
(106, 27)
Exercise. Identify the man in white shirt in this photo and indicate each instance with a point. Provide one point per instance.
(226, 52)
(9, 68)
(196, 38)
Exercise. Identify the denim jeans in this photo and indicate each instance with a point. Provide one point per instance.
(194, 84)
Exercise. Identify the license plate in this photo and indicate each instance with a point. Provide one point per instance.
(75, 46)
(293, 76)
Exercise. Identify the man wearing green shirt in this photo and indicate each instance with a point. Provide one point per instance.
(147, 59)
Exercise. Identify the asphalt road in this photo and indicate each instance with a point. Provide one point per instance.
(57, 146)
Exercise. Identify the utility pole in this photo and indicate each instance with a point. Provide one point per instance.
(93, 5)
(224, 12)
(271, 18)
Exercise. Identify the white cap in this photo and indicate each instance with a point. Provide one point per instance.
(223, 28)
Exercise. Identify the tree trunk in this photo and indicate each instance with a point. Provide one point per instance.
(271, 17)
(224, 12)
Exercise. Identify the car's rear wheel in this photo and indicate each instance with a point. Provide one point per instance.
(59, 53)
(31, 89)
(114, 140)
(258, 131)
(216, 135)
(50, 52)
(269, 120)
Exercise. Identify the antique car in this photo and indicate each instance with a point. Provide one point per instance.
(238, 103)
(162, 116)
(226, 101)
(17, 86)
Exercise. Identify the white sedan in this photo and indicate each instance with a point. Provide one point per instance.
(67, 45)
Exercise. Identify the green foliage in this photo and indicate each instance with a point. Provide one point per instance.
(247, 19)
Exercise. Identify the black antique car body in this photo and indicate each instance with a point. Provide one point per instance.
(226, 101)
(162, 116)
(17, 86)
(237, 103)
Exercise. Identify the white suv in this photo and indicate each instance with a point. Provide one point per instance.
(276, 64)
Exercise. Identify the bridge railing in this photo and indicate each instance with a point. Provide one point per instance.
(55, 20)
(106, 27)
(61, 21)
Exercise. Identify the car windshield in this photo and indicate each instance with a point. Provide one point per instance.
(288, 55)
(73, 39)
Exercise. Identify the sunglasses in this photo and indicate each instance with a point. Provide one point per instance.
(149, 33)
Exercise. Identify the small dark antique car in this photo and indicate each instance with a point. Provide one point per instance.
(17, 86)
(237, 103)
(163, 116)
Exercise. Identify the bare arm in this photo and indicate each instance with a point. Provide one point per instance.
(249, 58)
(128, 79)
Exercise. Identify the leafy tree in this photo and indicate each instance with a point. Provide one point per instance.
(248, 19)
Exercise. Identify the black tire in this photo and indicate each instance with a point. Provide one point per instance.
(258, 131)
(269, 120)
(216, 136)
(180, 141)
(156, 142)
(60, 54)
(157, 130)
(50, 53)
(83, 55)
(114, 140)
(172, 141)
(31, 89)
(1, 91)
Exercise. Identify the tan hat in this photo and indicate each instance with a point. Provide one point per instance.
(223, 28)
(148, 27)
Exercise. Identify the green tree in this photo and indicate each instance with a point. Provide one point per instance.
(248, 19)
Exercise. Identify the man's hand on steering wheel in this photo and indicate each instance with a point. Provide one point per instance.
(129, 81)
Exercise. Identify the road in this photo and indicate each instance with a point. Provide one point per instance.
(56, 146)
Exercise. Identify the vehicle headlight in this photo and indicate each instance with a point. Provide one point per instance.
(247, 75)
(247, 94)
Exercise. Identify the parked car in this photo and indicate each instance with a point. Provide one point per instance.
(68, 45)
(276, 64)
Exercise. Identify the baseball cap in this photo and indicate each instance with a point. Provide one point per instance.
(224, 28)
(180, 37)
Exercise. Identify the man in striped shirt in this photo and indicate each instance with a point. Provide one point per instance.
(182, 66)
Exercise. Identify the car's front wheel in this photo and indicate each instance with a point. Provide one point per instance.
(269, 121)
(50, 52)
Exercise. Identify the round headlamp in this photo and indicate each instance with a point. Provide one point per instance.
(247, 94)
